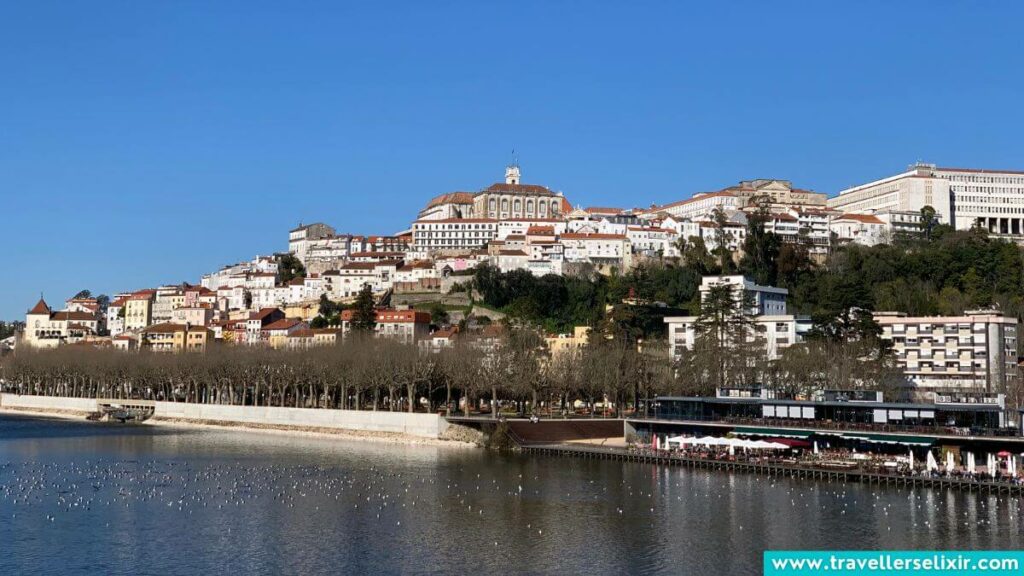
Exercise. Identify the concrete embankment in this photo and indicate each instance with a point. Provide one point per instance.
(302, 419)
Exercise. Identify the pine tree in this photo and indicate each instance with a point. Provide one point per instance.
(364, 316)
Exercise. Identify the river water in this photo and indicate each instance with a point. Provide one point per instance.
(83, 498)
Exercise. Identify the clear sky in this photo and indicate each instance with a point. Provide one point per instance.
(149, 142)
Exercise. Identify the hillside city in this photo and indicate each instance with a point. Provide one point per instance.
(782, 265)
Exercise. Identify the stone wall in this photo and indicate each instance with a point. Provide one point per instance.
(421, 425)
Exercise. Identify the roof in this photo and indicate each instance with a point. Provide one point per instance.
(451, 198)
(532, 189)
(457, 220)
(263, 313)
(168, 327)
(696, 197)
(979, 170)
(381, 254)
(865, 218)
(72, 316)
(538, 230)
(391, 315)
(40, 308)
(283, 324)
(579, 236)
(603, 210)
(511, 253)
(445, 332)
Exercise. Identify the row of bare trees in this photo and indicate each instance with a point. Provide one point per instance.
(515, 372)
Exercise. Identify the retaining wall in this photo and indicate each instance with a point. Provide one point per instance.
(47, 403)
(422, 425)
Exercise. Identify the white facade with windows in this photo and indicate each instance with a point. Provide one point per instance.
(973, 352)
(453, 234)
(964, 198)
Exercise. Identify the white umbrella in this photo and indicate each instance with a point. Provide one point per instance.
(732, 450)
(815, 446)
(949, 461)
(1013, 466)
(970, 462)
(932, 464)
(657, 442)
(991, 464)
(910, 456)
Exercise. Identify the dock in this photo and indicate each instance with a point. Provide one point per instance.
(775, 470)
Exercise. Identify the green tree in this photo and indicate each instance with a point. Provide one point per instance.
(290, 267)
(760, 247)
(364, 314)
(439, 314)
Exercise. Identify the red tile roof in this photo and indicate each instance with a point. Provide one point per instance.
(540, 230)
(40, 308)
(70, 316)
(534, 189)
(451, 198)
(864, 218)
(283, 324)
(579, 236)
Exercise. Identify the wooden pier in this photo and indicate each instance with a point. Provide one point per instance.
(776, 470)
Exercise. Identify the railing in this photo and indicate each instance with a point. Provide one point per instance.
(858, 426)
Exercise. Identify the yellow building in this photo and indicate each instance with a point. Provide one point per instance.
(302, 310)
(138, 310)
(175, 338)
(558, 343)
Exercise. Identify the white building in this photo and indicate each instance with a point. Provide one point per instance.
(701, 205)
(768, 308)
(597, 249)
(964, 198)
(863, 229)
(973, 352)
(453, 234)
(300, 238)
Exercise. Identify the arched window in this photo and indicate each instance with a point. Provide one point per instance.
(529, 206)
(554, 207)
(543, 208)
(504, 204)
(517, 206)
(491, 204)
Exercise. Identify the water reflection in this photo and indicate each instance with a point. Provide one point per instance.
(123, 500)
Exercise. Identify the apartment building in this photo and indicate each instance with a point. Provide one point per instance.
(767, 307)
(973, 352)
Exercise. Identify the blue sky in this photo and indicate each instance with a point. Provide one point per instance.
(149, 142)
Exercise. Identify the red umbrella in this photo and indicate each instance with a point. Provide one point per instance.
(791, 442)
(1003, 454)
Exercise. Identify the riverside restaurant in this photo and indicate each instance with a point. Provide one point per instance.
(854, 418)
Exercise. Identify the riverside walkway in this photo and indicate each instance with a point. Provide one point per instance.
(773, 469)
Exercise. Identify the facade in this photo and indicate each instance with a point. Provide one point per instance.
(169, 337)
(973, 352)
(300, 239)
(138, 310)
(961, 197)
(45, 328)
(459, 234)
(560, 343)
(768, 309)
(406, 326)
(863, 229)
(513, 200)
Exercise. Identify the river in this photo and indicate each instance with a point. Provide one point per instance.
(83, 498)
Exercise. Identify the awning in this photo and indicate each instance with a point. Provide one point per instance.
(775, 432)
(890, 439)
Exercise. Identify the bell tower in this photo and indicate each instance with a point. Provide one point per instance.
(512, 174)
